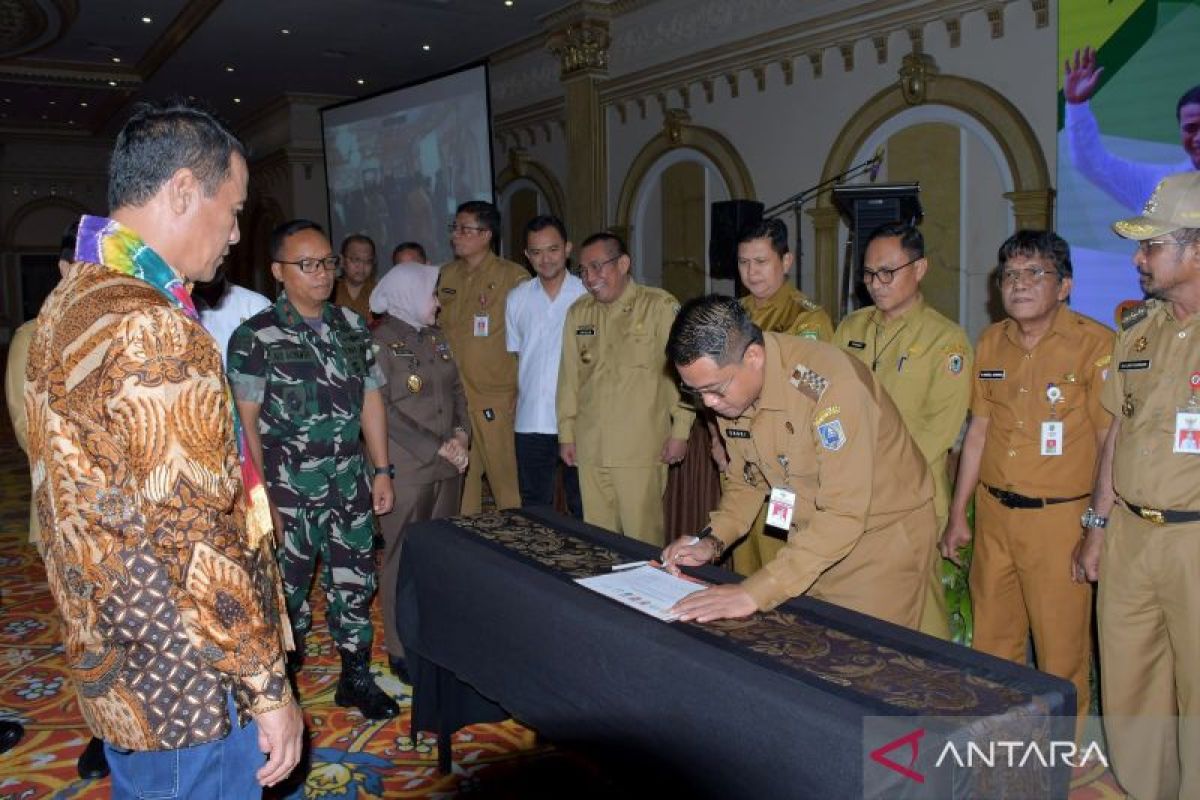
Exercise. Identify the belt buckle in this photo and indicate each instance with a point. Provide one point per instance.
(1152, 515)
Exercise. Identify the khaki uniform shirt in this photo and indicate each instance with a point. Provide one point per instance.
(1153, 362)
(424, 399)
(924, 362)
(361, 304)
(487, 369)
(1010, 390)
(789, 311)
(823, 428)
(618, 400)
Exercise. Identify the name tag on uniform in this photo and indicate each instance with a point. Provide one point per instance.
(857, 345)
(481, 324)
(735, 433)
(1141, 363)
(991, 374)
(780, 508)
(585, 330)
(1052, 438)
(1187, 432)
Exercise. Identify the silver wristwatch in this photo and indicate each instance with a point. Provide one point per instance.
(1091, 519)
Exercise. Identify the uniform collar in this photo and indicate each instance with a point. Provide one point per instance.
(911, 314)
(624, 300)
(773, 396)
(287, 315)
(1063, 325)
(781, 298)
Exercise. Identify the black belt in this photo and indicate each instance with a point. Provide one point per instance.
(1014, 500)
(1163, 516)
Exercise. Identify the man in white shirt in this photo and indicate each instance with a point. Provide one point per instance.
(534, 316)
(1130, 183)
(223, 306)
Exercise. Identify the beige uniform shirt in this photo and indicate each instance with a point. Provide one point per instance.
(825, 430)
(1010, 389)
(1153, 363)
(618, 400)
(924, 362)
(488, 370)
(789, 311)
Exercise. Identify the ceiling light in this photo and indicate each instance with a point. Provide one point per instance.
(237, 99)
(147, 20)
(509, 3)
(83, 104)
(360, 81)
(112, 83)
(70, 122)
(284, 31)
(229, 69)
(116, 59)
(425, 47)
(53, 102)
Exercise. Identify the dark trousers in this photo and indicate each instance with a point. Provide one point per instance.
(537, 465)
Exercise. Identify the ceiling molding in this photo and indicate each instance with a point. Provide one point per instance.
(189, 18)
(79, 74)
(802, 39)
(27, 26)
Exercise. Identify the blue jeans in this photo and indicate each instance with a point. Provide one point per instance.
(537, 465)
(220, 770)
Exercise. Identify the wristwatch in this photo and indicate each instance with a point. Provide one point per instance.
(1091, 519)
(389, 470)
(718, 545)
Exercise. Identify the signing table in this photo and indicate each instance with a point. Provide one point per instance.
(782, 704)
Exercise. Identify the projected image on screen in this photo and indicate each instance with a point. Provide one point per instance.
(399, 163)
(1128, 72)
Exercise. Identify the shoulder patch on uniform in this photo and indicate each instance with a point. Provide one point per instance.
(1104, 361)
(1132, 316)
(826, 413)
(810, 384)
(954, 359)
(833, 436)
(808, 332)
(809, 305)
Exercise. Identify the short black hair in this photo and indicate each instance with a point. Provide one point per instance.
(543, 221)
(357, 237)
(287, 230)
(410, 246)
(911, 240)
(1190, 97)
(606, 236)
(161, 139)
(715, 326)
(1043, 244)
(487, 215)
(66, 247)
(773, 230)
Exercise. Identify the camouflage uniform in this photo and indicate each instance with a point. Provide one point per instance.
(310, 388)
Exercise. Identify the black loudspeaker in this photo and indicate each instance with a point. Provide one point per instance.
(729, 217)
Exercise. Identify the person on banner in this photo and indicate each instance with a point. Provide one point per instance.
(922, 359)
(358, 275)
(535, 313)
(155, 527)
(620, 417)
(308, 385)
(473, 290)
(1142, 539)
(764, 264)
(810, 428)
(1029, 460)
(428, 426)
(1127, 182)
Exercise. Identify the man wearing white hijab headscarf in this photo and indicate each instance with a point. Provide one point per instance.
(428, 426)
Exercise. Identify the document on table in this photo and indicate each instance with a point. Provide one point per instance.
(648, 589)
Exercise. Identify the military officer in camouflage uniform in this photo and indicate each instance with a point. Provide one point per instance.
(306, 383)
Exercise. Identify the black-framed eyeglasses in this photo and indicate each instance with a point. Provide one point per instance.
(1027, 277)
(311, 265)
(885, 276)
(465, 230)
(596, 266)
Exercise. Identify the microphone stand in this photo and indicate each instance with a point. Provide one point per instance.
(796, 203)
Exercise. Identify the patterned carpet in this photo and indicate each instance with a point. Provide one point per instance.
(351, 758)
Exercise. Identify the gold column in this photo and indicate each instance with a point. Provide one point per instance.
(1032, 209)
(582, 49)
(825, 258)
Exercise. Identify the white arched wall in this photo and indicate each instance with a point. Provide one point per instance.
(645, 243)
(985, 215)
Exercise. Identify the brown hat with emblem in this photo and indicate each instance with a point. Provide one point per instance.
(1175, 204)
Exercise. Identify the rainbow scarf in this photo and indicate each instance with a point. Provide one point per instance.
(109, 243)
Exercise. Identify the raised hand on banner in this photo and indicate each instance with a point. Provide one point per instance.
(1082, 76)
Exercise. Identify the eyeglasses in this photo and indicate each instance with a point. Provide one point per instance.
(1028, 277)
(885, 276)
(1149, 246)
(717, 391)
(596, 266)
(465, 230)
(311, 265)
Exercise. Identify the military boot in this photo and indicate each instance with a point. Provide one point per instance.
(356, 687)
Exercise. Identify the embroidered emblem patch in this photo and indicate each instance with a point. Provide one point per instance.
(809, 383)
(832, 435)
(954, 363)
